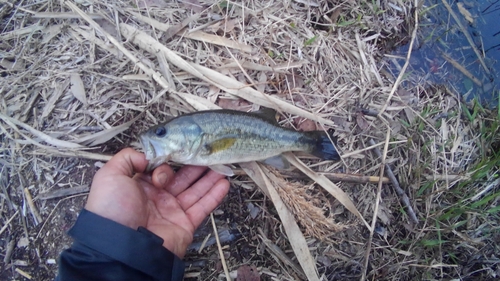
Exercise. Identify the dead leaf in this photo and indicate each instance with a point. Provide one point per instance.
(108, 26)
(56, 94)
(451, 102)
(174, 29)
(229, 25)
(50, 32)
(218, 79)
(308, 3)
(23, 242)
(384, 214)
(14, 123)
(194, 5)
(254, 211)
(395, 126)
(77, 88)
(342, 123)
(467, 15)
(248, 273)
(444, 131)
(152, 3)
(305, 125)
(12, 65)
(218, 40)
(213, 94)
(234, 104)
(258, 174)
(361, 121)
(409, 115)
(335, 14)
(105, 135)
(324, 260)
(261, 86)
(295, 81)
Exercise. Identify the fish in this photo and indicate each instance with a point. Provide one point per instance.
(216, 138)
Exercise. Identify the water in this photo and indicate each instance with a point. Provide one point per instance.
(440, 37)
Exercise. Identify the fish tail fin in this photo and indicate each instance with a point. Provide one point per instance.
(322, 146)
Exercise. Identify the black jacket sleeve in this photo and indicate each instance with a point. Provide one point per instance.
(106, 250)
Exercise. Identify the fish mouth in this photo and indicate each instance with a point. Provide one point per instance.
(148, 147)
(154, 160)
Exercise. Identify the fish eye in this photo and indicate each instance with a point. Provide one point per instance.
(160, 131)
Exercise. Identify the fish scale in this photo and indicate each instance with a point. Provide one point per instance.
(255, 136)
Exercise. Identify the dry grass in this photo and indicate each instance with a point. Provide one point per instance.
(76, 88)
(308, 209)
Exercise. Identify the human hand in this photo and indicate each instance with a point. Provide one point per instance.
(170, 205)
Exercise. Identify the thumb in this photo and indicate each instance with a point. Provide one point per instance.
(127, 162)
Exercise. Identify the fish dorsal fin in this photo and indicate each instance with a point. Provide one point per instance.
(220, 144)
(268, 114)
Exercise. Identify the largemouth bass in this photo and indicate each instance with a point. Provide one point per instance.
(217, 137)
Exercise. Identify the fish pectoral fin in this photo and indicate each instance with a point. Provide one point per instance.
(277, 161)
(220, 144)
(223, 170)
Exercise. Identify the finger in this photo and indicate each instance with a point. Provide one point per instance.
(184, 178)
(126, 162)
(193, 194)
(199, 211)
(162, 176)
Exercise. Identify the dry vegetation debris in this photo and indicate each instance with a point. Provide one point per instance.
(80, 79)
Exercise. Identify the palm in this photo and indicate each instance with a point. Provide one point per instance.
(172, 209)
(166, 218)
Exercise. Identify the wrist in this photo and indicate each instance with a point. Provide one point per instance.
(175, 239)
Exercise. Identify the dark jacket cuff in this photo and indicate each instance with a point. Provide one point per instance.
(139, 249)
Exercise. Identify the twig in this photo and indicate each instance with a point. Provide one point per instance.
(23, 273)
(8, 222)
(407, 62)
(467, 35)
(50, 15)
(75, 153)
(277, 252)
(399, 191)
(463, 70)
(485, 190)
(158, 77)
(10, 249)
(63, 192)
(369, 112)
(174, 29)
(351, 178)
(349, 154)
(377, 202)
(32, 206)
(13, 123)
(52, 212)
(221, 253)
(221, 81)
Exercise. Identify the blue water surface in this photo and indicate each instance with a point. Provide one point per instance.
(440, 36)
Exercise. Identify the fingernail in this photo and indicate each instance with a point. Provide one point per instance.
(162, 178)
